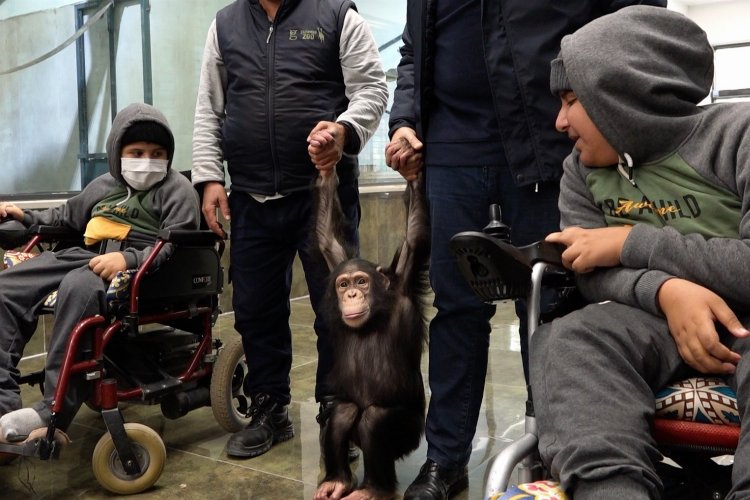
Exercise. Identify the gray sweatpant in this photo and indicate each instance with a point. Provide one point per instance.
(23, 288)
(594, 374)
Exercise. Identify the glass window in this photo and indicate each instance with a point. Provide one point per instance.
(49, 146)
(731, 78)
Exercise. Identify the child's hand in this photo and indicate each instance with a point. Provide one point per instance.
(591, 248)
(10, 210)
(108, 265)
(691, 312)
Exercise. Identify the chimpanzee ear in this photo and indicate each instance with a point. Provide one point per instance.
(386, 282)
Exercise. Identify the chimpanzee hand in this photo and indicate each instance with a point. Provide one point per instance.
(404, 153)
(326, 145)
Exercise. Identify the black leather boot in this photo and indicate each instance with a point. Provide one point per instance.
(269, 425)
(437, 483)
(324, 413)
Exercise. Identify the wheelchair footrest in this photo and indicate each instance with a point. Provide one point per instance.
(161, 387)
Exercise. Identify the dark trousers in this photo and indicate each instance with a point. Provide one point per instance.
(23, 288)
(594, 375)
(265, 237)
(459, 200)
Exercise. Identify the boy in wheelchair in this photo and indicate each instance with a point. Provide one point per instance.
(655, 211)
(119, 215)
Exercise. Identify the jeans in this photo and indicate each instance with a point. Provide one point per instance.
(459, 200)
(265, 237)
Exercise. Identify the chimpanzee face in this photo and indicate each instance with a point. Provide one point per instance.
(356, 292)
(353, 289)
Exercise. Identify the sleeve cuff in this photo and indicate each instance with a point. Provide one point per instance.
(352, 144)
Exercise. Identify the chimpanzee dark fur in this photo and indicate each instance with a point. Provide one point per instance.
(375, 317)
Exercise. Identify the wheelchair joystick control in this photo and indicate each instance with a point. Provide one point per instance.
(496, 228)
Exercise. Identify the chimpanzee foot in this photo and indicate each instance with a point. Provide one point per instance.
(331, 490)
(370, 494)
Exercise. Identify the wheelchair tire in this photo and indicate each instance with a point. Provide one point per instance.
(149, 451)
(228, 400)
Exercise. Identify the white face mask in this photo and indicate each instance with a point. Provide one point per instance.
(143, 173)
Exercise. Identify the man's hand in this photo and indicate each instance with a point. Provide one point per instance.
(325, 145)
(691, 312)
(108, 265)
(404, 153)
(215, 198)
(10, 210)
(588, 249)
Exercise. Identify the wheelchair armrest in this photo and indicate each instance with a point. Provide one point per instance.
(52, 233)
(189, 237)
(12, 233)
(497, 270)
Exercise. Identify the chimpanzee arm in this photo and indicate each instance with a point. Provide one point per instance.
(411, 258)
(329, 220)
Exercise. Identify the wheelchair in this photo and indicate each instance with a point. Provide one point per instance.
(154, 346)
(693, 441)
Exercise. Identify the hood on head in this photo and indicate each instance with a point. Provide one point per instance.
(639, 73)
(136, 112)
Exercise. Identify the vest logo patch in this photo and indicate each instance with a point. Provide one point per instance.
(307, 34)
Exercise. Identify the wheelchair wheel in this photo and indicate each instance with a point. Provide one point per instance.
(149, 451)
(228, 400)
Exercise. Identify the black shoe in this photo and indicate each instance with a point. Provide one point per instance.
(437, 483)
(324, 413)
(269, 425)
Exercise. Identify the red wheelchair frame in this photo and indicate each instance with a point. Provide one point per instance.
(496, 271)
(129, 458)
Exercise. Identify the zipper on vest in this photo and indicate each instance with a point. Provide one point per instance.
(270, 111)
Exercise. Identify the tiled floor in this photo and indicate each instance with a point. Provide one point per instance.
(198, 467)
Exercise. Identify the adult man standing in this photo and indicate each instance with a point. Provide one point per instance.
(472, 104)
(287, 86)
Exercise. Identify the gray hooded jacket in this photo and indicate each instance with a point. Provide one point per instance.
(683, 178)
(173, 202)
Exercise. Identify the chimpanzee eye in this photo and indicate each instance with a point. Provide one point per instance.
(361, 282)
(343, 284)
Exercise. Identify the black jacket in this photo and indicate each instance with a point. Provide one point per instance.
(282, 79)
(521, 37)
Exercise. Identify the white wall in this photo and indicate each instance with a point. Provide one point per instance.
(724, 22)
(11, 8)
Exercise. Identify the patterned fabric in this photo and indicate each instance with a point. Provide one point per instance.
(539, 490)
(699, 399)
(13, 257)
(119, 287)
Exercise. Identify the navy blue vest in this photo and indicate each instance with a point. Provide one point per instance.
(282, 79)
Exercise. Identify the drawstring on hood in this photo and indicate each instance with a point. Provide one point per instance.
(130, 194)
(644, 101)
(625, 167)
